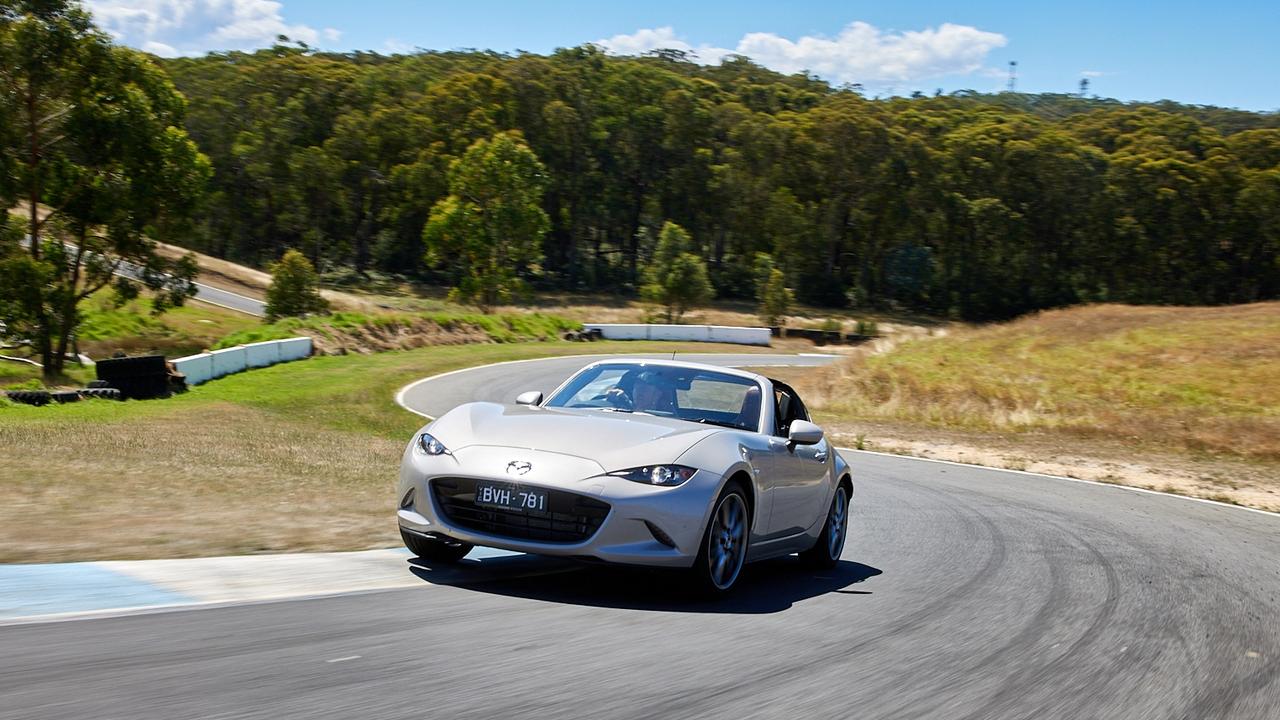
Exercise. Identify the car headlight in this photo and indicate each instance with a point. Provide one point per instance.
(428, 444)
(665, 475)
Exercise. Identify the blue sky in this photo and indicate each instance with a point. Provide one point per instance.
(1223, 53)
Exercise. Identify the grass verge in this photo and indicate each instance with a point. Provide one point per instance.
(295, 457)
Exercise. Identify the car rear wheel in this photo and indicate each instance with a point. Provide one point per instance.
(434, 549)
(826, 552)
(724, 545)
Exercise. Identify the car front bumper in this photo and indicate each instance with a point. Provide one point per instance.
(624, 536)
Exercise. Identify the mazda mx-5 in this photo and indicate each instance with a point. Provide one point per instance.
(637, 462)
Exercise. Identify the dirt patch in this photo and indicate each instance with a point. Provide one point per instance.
(1231, 480)
(366, 339)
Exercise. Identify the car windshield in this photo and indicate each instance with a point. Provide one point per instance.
(702, 396)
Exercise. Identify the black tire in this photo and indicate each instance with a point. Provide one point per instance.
(66, 396)
(435, 550)
(825, 553)
(707, 577)
(102, 393)
(95, 384)
(30, 397)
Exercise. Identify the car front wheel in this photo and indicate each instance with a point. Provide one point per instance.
(434, 549)
(724, 545)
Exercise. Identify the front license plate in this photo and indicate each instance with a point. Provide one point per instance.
(506, 496)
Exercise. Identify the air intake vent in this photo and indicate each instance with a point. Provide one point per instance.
(569, 518)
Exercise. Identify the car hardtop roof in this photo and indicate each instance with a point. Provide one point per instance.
(681, 364)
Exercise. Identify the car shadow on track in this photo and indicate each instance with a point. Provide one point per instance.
(767, 587)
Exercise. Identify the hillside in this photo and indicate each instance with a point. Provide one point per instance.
(1192, 395)
(971, 206)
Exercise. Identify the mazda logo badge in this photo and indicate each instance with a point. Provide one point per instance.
(518, 467)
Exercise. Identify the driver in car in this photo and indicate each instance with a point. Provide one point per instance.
(653, 393)
(650, 392)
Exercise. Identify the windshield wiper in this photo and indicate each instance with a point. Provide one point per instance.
(622, 410)
(709, 421)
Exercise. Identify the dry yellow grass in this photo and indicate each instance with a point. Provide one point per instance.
(1203, 379)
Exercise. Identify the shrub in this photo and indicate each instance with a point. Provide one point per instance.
(676, 279)
(293, 289)
(775, 298)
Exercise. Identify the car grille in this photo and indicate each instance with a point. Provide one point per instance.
(571, 518)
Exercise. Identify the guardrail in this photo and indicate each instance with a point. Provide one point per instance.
(210, 365)
(690, 333)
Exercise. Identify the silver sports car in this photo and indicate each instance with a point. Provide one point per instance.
(640, 462)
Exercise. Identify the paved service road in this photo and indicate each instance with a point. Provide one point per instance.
(963, 593)
(217, 296)
(207, 293)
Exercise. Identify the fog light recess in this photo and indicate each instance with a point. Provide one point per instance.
(659, 535)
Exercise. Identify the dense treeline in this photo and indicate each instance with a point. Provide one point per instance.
(977, 206)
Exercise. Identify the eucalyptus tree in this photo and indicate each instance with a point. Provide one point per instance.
(113, 171)
(489, 228)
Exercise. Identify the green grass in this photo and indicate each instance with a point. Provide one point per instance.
(132, 328)
(298, 456)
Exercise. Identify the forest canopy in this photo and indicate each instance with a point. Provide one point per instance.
(967, 205)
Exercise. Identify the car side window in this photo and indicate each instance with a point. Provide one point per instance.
(787, 408)
(781, 413)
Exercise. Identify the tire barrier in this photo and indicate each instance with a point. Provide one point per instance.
(688, 333)
(44, 397)
(204, 367)
(65, 396)
(30, 397)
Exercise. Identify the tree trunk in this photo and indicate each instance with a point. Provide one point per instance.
(66, 320)
(33, 167)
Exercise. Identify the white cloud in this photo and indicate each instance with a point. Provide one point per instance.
(159, 48)
(1093, 73)
(861, 53)
(663, 38)
(186, 27)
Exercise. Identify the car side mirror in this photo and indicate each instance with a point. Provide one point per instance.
(532, 397)
(804, 432)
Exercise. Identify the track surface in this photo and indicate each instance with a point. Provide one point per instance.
(964, 593)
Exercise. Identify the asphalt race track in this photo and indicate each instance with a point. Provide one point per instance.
(964, 593)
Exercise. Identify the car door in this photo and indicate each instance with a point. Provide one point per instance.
(799, 472)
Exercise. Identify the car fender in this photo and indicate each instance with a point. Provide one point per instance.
(727, 454)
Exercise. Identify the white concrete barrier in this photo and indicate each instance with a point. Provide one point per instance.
(262, 354)
(208, 366)
(688, 333)
(197, 368)
(739, 335)
(228, 360)
(294, 348)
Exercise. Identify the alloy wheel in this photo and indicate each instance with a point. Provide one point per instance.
(727, 541)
